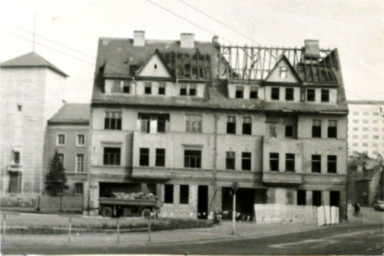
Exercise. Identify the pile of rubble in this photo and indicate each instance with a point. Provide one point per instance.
(135, 195)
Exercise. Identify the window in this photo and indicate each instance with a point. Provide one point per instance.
(239, 92)
(275, 93)
(332, 129)
(246, 161)
(283, 72)
(112, 120)
(148, 88)
(334, 198)
(19, 107)
(126, 87)
(61, 158)
(14, 182)
(183, 89)
(145, 121)
(289, 94)
(355, 144)
(160, 157)
(301, 197)
(192, 90)
(158, 122)
(61, 139)
(112, 156)
(356, 136)
(144, 157)
(366, 113)
(316, 198)
(355, 129)
(253, 93)
(231, 125)
(332, 164)
(247, 125)
(162, 121)
(311, 95)
(192, 158)
(16, 157)
(365, 121)
(80, 140)
(274, 161)
(289, 131)
(375, 137)
(365, 145)
(316, 129)
(79, 162)
(316, 163)
(290, 162)
(168, 193)
(116, 88)
(230, 160)
(184, 194)
(355, 121)
(78, 188)
(193, 123)
(324, 95)
(161, 88)
(365, 129)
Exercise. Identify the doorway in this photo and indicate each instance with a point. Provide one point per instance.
(202, 202)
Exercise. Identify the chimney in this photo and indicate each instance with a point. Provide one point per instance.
(311, 49)
(187, 40)
(139, 38)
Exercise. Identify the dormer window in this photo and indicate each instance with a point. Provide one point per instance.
(161, 88)
(116, 86)
(188, 90)
(126, 87)
(283, 72)
(148, 88)
(183, 89)
(120, 86)
(253, 93)
(275, 93)
(311, 95)
(239, 92)
(192, 90)
(289, 94)
(324, 95)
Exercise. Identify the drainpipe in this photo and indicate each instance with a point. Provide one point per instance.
(214, 178)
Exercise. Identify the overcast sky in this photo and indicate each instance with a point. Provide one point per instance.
(73, 27)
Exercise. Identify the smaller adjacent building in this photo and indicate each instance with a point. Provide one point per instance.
(67, 133)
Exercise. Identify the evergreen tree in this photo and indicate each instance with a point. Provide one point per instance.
(55, 179)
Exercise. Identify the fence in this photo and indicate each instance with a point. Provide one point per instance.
(279, 213)
(49, 223)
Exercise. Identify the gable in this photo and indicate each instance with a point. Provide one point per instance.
(283, 64)
(154, 68)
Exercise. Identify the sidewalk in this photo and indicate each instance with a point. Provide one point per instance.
(220, 232)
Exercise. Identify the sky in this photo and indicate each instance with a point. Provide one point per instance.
(67, 32)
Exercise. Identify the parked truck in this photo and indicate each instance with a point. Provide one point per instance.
(130, 204)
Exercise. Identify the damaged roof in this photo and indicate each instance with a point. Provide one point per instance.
(72, 113)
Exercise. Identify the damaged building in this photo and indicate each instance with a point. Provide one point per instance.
(186, 120)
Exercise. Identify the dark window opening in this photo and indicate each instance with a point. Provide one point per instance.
(231, 125)
(161, 122)
(16, 157)
(316, 163)
(289, 96)
(316, 129)
(283, 72)
(79, 188)
(253, 94)
(334, 198)
(274, 161)
(160, 157)
(301, 197)
(126, 87)
(183, 89)
(316, 198)
(19, 107)
(162, 88)
(275, 93)
(290, 162)
(184, 194)
(168, 193)
(112, 156)
(192, 90)
(14, 182)
(230, 160)
(148, 88)
(246, 161)
(144, 157)
(324, 95)
(247, 125)
(311, 94)
(112, 121)
(192, 158)
(332, 164)
(239, 92)
(332, 129)
(289, 131)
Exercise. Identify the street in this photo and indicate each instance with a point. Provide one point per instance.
(343, 239)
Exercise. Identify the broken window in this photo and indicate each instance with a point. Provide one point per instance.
(316, 163)
(239, 92)
(144, 157)
(160, 157)
(289, 162)
(324, 95)
(289, 96)
(193, 123)
(162, 88)
(332, 129)
(230, 160)
(316, 198)
(231, 125)
(253, 93)
(192, 158)
(283, 72)
(61, 139)
(148, 88)
(78, 188)
(246, 161)
(274, 161)
(332, 164)
(168, 193)
(183, 89)
(112, 120)
(316, 128)
(184, 194)
(112, 156)
(301, 197)
(275, 93)
(311, 95)
(247, 125)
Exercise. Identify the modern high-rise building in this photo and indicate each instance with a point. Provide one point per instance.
(366, 127)
(31, 90)
(189, 120)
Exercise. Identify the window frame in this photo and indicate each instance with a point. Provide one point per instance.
(231, 125)
(144, 156)
(283, 72)
(275, 93)
(246, 161)
(113, 120)
(193, 123)
(316, 163)
(274, 161)
(58, 141)
(169, 188)
(247, 125)
(77, 162)
(77, 186)
(332, 129)
(116, 161)
(290, 162)
(310, 95)
(331, 163)
(291, 94)
(78, 144)
(184, 199)
(239, 92)
(230, 160)
(253, 93)
(162, 88)
(147, 88)
(192, 161)
(160, 157)
(325, 95)
(317, 128)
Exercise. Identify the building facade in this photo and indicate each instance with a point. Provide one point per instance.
(366, 128)
(31, 92)
(67, 133)
(187, 120)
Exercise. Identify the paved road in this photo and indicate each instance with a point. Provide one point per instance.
(346, 239)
